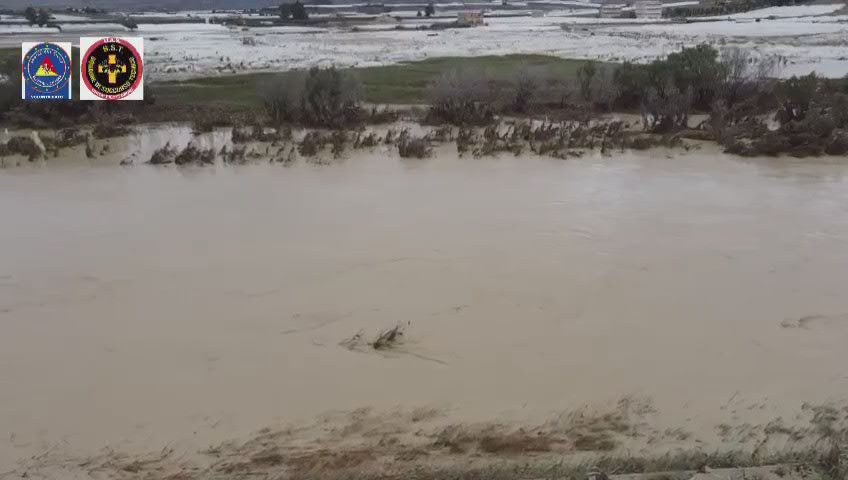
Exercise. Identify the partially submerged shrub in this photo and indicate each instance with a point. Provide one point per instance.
(838, 144)
(207, 123)
(385, 340)
(253, 133)
(109, 129)
(493, 141)
(666, 110)
(311, 144)
(164, 155)
(388, 338)
(366, 140)
(21, 145)
(338, 142)
(441, 134)
(812, 117)
(382, 115)
(69, 137)
(413, 147)
(285, 159)
(391, 136)
(465, 139)
(818, 131)
(193, 155)
(556, 139)
(236, 155)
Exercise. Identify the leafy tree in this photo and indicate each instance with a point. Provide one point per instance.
(658, 77)
(299, 11)
(585, 77)
(31, 15)
(696, 68)
(526, 85)
(43, 17)
(294, 11)
(429, 10)
(630, 80)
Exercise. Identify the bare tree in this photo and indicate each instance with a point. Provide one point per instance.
(743, 74)
(282, 97)
(462, 97)
(586, 76)
(524, 85)
(603, 90)
(319, 97)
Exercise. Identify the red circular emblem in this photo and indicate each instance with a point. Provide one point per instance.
(112, 68)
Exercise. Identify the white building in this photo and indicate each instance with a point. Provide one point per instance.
(648, 9)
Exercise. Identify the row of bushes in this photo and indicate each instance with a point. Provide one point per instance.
(811, 115)
(726, 8)
(665, 90)
(735, 88)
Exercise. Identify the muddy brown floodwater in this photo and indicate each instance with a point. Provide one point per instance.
(142, 307)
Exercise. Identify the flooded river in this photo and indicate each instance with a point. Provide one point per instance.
(142, 306)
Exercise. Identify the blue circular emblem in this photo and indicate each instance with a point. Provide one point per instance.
(47, 69)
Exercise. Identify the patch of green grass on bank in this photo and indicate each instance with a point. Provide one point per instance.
(407, 82)
(404, 83)
(9, 55)
(225, 90)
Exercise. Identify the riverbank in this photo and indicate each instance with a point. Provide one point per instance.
(741, 106)
(188, 145)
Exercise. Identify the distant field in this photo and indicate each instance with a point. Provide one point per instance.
(404, 83)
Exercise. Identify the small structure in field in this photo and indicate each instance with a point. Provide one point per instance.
(470, 18)
(650, 9)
